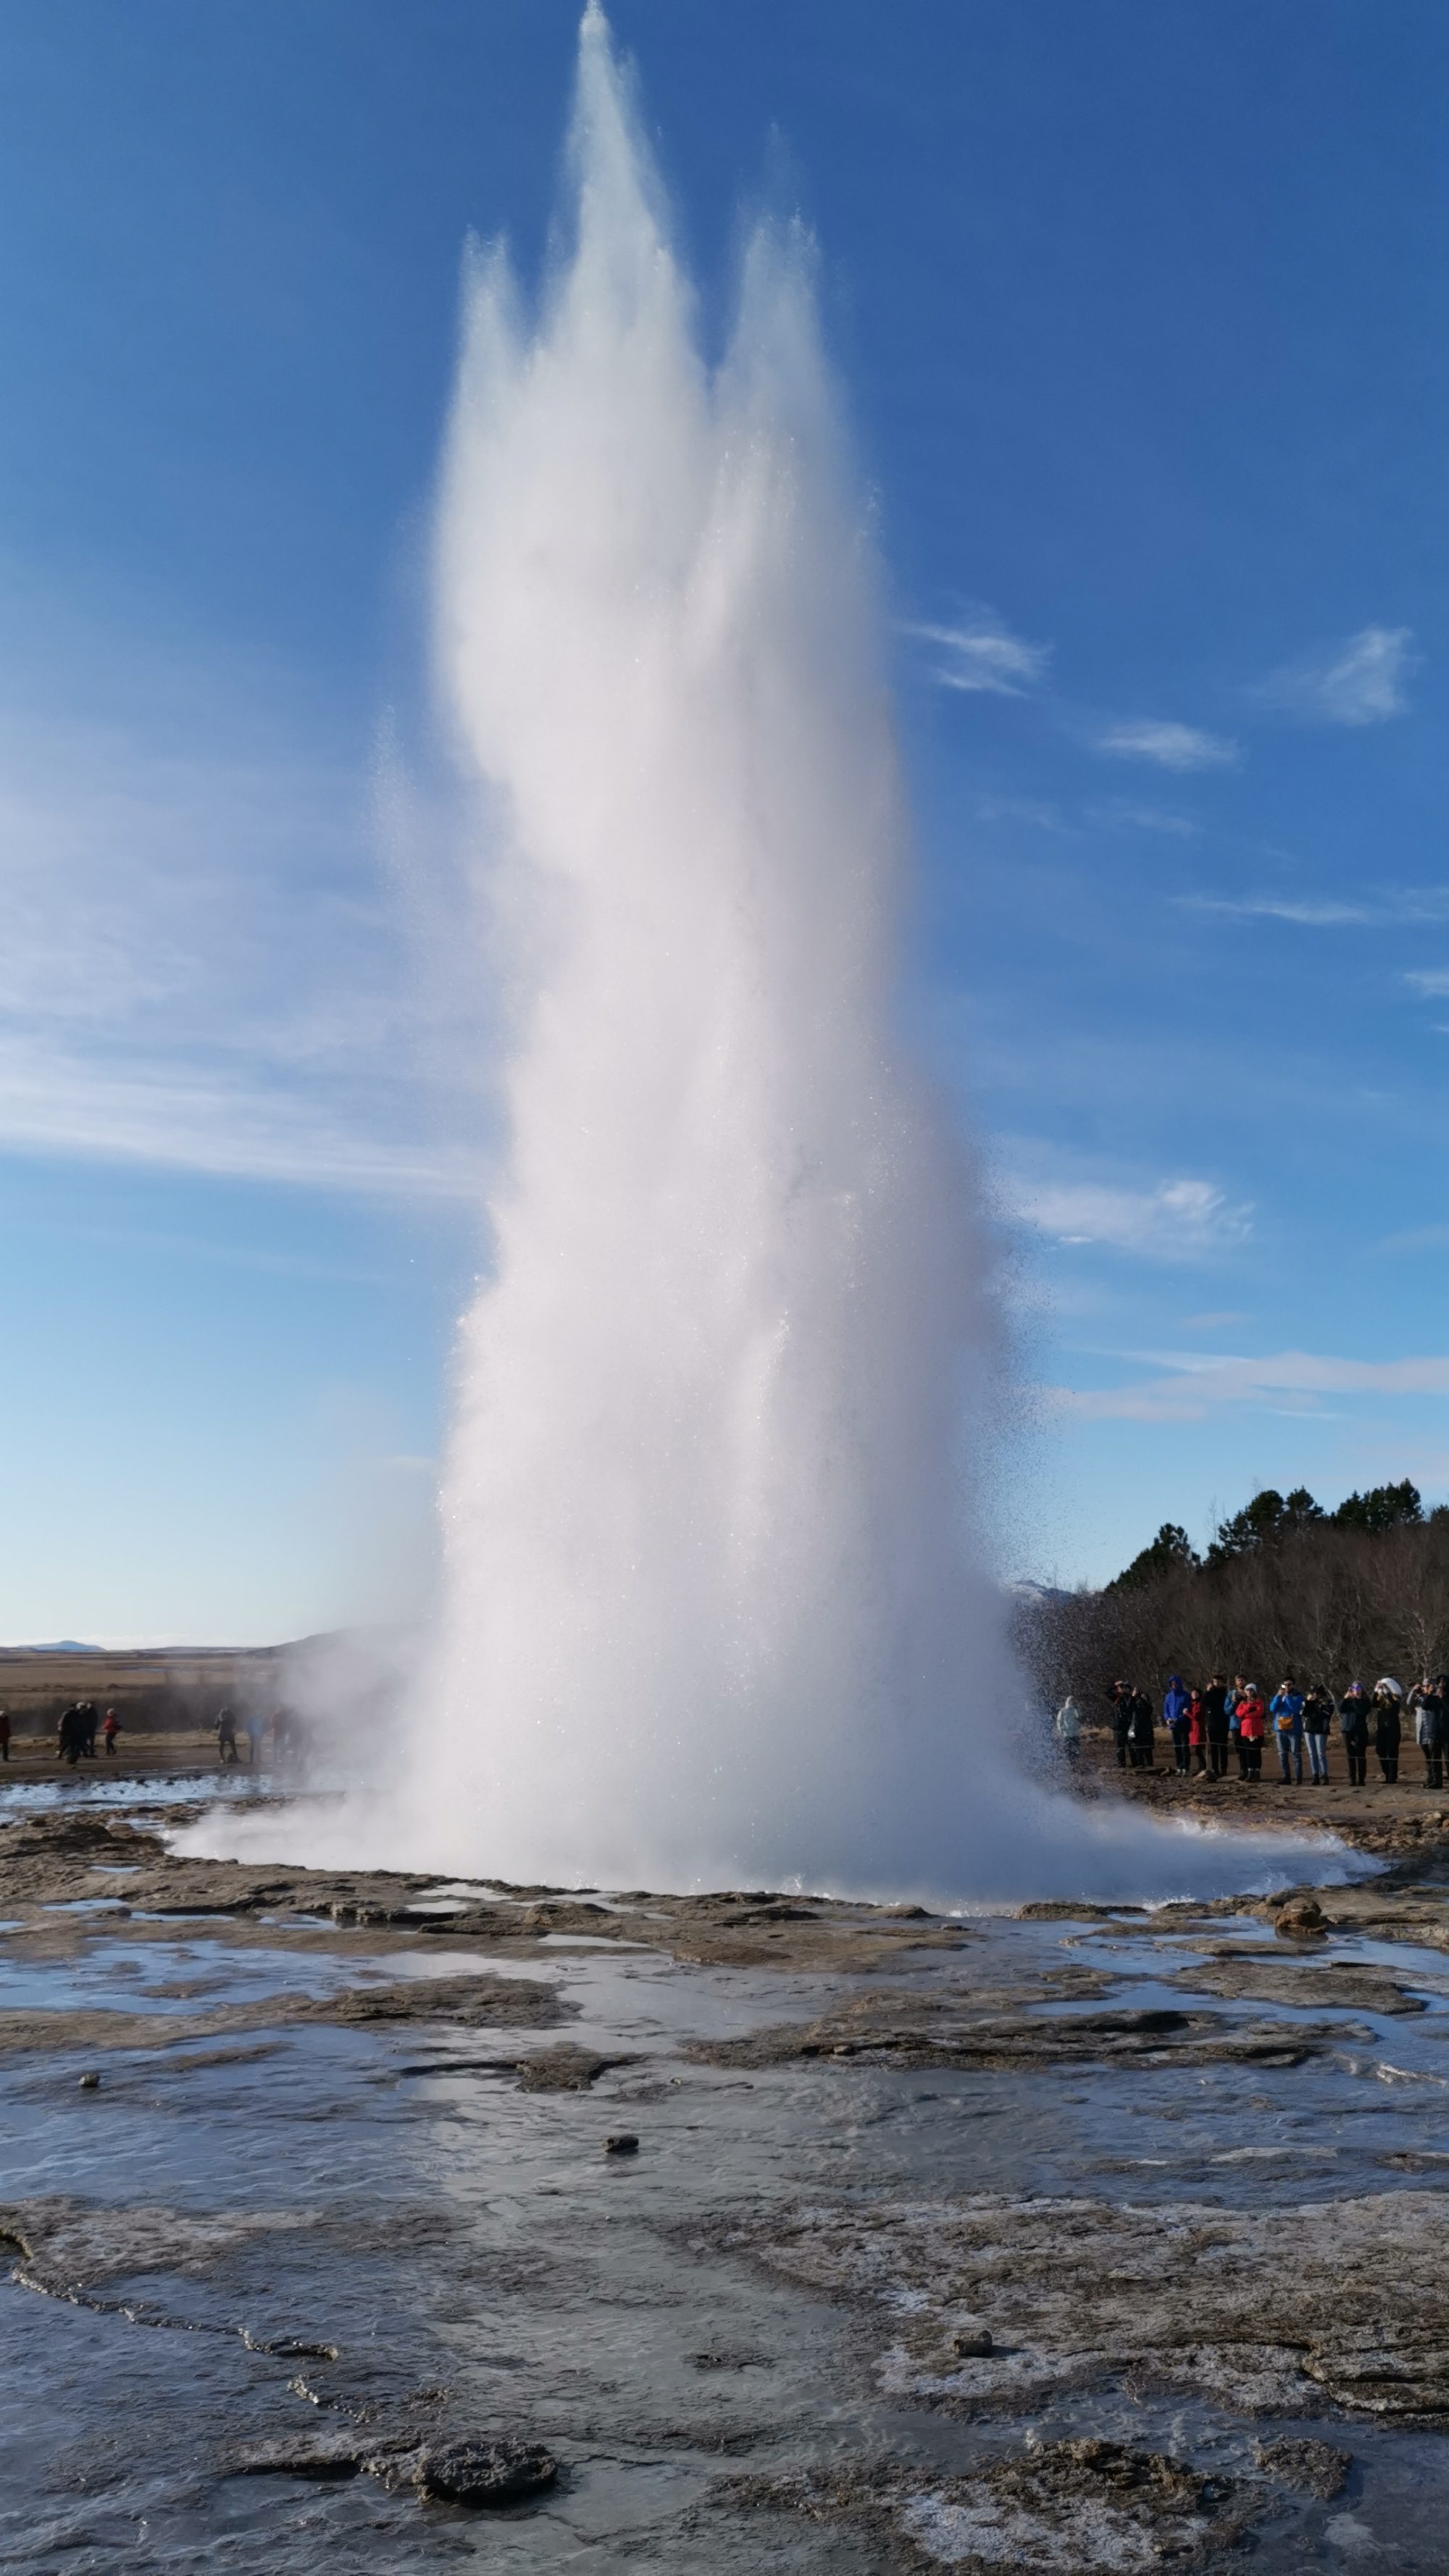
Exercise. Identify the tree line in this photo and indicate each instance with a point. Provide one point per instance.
(1283, 1586)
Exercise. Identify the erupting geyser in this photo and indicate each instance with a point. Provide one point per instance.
(711, 1607)
(717, 1607)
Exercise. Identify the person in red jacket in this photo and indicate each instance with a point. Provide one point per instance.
(1252, 1719)
(1197, 1732)
(110, 1729)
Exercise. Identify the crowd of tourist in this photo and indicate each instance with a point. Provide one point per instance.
(81, 1725)
(76, 1732)
(1226, 1721)
(78, 1728)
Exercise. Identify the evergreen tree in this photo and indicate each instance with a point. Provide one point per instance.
(1383, 1507)
(1171, 1551)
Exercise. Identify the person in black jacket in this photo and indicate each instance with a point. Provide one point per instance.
(1215, 1714)
(1317, 1719)
(1388, 1729)
(1353, 1718)
(1142, 1721)
(1120, 1700)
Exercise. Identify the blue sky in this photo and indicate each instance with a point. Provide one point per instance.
(1139, 307)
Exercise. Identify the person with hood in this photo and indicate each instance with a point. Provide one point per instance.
(1286, 1712)
(1197, 1732)
(1066, 1726)
(71, 1733)
(1141, 1730)
(1388, 1726)
(1353, 1718)
(1215, 1720)
(226, 1736)
(1317, 1719)
(1427, 1702)
(1252, 1720)
(1175, 1706)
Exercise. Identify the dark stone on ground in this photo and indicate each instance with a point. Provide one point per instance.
(289, 2347)
(1313, 2468)
(564, 2070)
(485, 2473)
(1300, 1919)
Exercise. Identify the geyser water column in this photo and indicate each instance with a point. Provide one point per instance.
(712, 1602)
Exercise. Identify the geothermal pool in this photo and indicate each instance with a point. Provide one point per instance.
(342, 2187)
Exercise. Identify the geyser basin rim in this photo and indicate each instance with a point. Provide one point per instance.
(1140, 1861)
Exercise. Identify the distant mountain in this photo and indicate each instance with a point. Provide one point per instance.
(58, 1646)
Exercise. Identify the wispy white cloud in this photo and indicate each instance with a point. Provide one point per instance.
(1120, 813)
(1307, 913)
(980, 653)
(1431, 981)
(1178, 1220)
(1167, 744)
(203, 966)
(1109, 814)
(1385, 908)
(1194, 1387)
(1359, 682)
(77, 1105)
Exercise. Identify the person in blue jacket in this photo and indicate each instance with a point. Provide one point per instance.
(1176, 1717)
(1286, 1712)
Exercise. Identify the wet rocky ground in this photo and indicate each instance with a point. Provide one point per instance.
(365, 2221)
